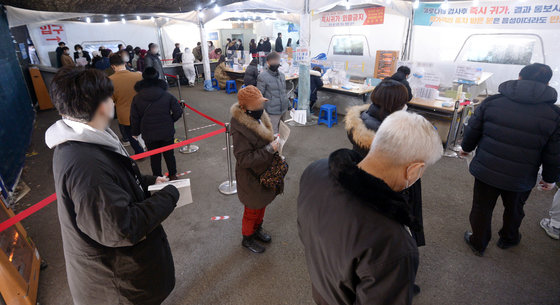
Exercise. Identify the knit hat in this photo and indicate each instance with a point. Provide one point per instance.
(250, 96)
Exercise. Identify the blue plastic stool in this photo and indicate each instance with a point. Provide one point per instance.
(326, 115)
(215, 84)
(295, 103)
(231, 86)
(243, 86)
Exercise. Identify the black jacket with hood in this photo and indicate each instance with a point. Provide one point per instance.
(154, 111)
(115, 248)
(354, 231)
(401, 77)
(514, 132)
(251, 73)
(278, 47)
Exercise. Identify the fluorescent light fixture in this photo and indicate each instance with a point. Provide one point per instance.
(416, 4)
(123, 21)
(274, 14)
(347, 5)
(445, 5)
(88, 20)
(201, 14)
(285, 12)
(106, 20)
(152, 18)
(166, 18)
(217, 8)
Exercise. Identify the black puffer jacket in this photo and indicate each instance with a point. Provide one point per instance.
(154, 111)
(251, 73)
(401, 77)
(352, 226)
(515, 131)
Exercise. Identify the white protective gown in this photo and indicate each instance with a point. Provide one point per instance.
(188, 66)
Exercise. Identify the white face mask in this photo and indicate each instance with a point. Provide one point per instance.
(126, 59)
(80, 51)
(155, 51)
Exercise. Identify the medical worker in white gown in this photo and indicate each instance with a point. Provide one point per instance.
(188, 66)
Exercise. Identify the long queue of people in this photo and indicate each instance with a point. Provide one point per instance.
(359, 210)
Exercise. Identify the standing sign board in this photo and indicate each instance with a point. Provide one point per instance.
(52, 34)
(365, 16)
(302, 54)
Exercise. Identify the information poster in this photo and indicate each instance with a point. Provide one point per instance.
(499, 14)
(365, 16)
(52, 34)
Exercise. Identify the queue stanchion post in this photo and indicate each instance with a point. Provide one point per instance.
(228, 187)
(189, 148)
(460, 127)
(448, 152)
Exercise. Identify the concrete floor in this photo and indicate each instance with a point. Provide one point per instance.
(213, 268)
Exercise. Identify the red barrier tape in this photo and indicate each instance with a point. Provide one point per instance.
(27, 212)
(204, 115)
(174, 76)
(43, 203)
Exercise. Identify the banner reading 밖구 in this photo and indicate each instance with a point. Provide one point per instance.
(491, 14)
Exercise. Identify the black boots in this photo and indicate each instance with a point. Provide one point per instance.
(250, 243)
(261, 235)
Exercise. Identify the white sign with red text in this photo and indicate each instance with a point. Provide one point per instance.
(52, 34)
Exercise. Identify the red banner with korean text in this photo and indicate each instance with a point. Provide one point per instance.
(365, 16)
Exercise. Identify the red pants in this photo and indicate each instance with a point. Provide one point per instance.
(252, 219)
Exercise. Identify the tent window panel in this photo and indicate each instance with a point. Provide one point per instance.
(352, 45)
(505, 49)
(91, 46)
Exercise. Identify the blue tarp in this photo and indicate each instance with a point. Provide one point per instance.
(16, 111)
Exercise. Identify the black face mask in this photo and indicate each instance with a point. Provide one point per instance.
(274, 68)
(255, 114)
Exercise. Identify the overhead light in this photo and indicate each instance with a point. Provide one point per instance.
(123, 21)
(475, 3)
(285, 12)
(216, 9)
(152, 18)
(445, 5)
(137, 17)
(166, 18)
(388, 1)
(106, 20)
(416, 4)
(88, 20)
(201, 14)
(347, 5)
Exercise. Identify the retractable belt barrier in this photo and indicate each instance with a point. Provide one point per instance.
(43, 203)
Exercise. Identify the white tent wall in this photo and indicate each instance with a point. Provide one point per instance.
(135, 33)
(264, 28)
(282, 27)
(185, 33)
(387, 36)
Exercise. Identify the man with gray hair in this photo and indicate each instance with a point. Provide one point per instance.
(355, 223)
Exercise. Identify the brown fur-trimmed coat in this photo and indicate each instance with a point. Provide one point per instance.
(360, 135)
(250, 139)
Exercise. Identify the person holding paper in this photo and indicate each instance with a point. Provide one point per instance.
(254, 147)
(115, 248)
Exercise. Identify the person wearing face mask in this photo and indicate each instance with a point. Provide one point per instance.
(153, 114)
(114, 246)
(272, 84)
(65, 59)
(211, 47)
(152, 60)
(266, 46)
(79, 54)
(220, 73)
(123, 82)
(362, 123)
(354, 222)
(254, 147)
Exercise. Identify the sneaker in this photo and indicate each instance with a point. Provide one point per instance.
(550, 230)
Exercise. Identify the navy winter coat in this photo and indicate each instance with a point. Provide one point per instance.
(154, 111)
(515, 131)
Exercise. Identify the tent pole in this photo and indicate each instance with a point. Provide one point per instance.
(160, 38)
(303, 82)
(408, 41)
(205, 57)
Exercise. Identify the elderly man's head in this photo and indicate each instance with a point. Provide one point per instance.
(404, 145)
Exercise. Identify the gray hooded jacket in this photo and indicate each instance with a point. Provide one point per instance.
(273, 87)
